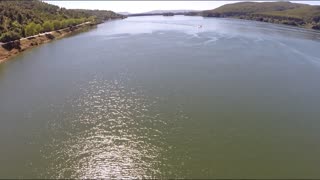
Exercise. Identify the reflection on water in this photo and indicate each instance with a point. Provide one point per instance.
(157, 97)
(111, 131)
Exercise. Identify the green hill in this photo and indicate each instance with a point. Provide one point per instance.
(23, 18)
(295, 14)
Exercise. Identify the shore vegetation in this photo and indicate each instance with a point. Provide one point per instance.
(27, 18)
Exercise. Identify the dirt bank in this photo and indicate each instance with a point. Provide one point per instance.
(8, 50)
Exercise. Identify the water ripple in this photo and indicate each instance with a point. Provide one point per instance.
(110, 132)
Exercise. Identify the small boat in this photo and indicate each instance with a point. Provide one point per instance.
(200, 26)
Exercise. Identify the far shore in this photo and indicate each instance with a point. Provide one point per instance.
(13, 48)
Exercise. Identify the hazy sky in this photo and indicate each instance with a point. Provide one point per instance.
(143, 6)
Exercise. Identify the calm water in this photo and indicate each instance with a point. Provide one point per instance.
(160, 97)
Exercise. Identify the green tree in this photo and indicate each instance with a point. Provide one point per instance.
(70, 22)
(16, 27)
(9, 36)
(73, 22)
(82, 20)
(38, 28)
(16, 16)
(20, 18)
(30, 29)
(64, 23)
(56, 24)
(92, 18)
(47, 26)
(78, 21)
(16, 24)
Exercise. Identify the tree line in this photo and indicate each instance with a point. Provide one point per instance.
(288, 13)
(26, 18)
(33, 28)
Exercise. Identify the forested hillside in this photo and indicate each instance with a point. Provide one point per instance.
(295, 14)
(23, 18)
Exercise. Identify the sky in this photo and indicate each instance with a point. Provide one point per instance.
(144, 6)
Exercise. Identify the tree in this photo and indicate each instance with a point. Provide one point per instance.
(16, 16)
(73, 22)
(38, 28)
(9, 36)
(16, 27)
(78, 21)
(70, 22)
(82, 20)
(47, 26)
(56, 24)
(20, 18)
(64, 23)
(92, 18)
(30, 29)
(16, 24)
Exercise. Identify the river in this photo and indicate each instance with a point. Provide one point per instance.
(162, 97)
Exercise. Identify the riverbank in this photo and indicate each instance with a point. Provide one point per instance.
(13, 48)
(287, 13)
(293, 22)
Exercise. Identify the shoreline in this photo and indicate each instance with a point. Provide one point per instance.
(306, 28)
(13, 48)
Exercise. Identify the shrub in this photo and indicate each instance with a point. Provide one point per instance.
(64, 23)
(47, 26)
(56, 24)
(92, 19)
(71, 22)
(316, 26)
(12, 45)
(287, 22)
(38, 28)
(30, 29)
(9, 36)
(16, 24)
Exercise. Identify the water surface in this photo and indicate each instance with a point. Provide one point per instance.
(159, 97)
